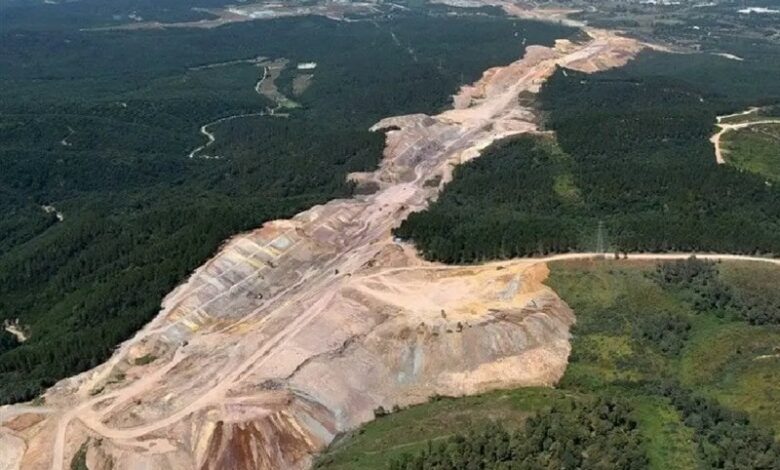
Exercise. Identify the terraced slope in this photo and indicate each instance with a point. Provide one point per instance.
(299, 330)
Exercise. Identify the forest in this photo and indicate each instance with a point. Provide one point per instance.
(63, 15)
(630, 169)
(104, 143)
(596, 434)
(664, 379)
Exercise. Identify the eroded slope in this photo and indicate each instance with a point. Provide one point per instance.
(301, 329)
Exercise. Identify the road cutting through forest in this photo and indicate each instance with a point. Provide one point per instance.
(265, 86)
(299, 330)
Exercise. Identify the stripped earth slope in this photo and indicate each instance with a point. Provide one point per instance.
(299, 330)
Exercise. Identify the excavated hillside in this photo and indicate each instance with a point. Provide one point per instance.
(301, 329)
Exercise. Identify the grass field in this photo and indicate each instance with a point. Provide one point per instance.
(632, 331)
(669, 443)
(410, 430)
(755, 149)
(728, 360)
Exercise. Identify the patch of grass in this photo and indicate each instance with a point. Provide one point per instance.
(755, 149)
(729, 360)
(612, 292)
(410, 430)
(599, 359)
(703, 354)
(589, 283)
(755, 390)
(566, 189)
(564, 184)
(79, 461)
(738, 365)
(668, 441)
(753, 279)
(145, 359)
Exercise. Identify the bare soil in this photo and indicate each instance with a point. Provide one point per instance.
(297, 331)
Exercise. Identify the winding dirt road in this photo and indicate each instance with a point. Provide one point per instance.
(726, 127)
(271, 71)
(204, 129)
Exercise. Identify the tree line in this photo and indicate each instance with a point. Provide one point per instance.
(632, 169)
(598, 433)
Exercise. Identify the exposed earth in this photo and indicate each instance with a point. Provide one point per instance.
(301, 329)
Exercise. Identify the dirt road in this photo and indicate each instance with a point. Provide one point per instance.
(14, 329)
(265, 86)
(725, 127)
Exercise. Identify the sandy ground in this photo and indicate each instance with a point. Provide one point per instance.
(15, 330)
(297, 331)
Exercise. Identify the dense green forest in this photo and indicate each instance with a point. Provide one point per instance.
(99, 125)
(64, 15)
(661, 376)
(631, 169)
